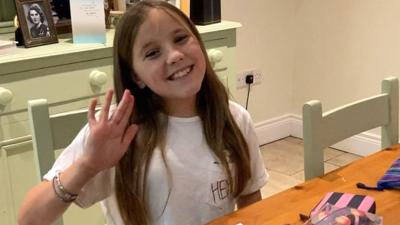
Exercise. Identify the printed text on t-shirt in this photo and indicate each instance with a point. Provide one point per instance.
(220, 190)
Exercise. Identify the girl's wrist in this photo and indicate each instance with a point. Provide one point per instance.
(86, 169)
(73, 178)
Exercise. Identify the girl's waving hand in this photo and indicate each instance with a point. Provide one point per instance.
(109, 136)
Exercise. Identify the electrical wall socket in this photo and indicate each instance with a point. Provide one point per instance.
(241, 78)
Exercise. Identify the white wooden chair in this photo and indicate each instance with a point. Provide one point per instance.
(50, 133)
(321, 130)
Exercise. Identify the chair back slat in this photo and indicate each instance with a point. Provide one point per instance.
(321, 130)
(390, 131)
(65, 127)
(352, 118)
(43, 148)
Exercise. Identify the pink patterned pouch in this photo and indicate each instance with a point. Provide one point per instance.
(331, 215)
(363, 203)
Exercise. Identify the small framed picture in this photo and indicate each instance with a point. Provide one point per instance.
(60, 10)
(177, 3)
(36, 22)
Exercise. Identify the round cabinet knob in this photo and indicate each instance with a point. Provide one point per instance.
(98, 78)
(5, 96)
(215, 55)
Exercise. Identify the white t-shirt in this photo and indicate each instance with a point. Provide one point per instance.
(197, 189)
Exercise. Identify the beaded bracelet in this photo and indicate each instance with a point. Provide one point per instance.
(60, 191)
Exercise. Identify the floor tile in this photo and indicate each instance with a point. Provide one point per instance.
(343, 159)
(283, 157)
(287, 156)
(284, 160)
(293, 140)
(278, 182)
(330, 153)
(327, 167)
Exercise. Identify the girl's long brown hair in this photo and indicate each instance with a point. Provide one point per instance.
(220, 129)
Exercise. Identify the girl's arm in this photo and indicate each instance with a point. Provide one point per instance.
(246, 200)
(107, 142)
(43, 206)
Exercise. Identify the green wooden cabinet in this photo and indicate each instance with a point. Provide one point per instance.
(69, 76)
(7, 13)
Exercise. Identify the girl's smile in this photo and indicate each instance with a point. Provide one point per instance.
(180, 74)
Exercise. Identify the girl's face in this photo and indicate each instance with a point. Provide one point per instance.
(35, 17)
(168, 59)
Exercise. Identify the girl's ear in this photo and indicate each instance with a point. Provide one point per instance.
(140, 83)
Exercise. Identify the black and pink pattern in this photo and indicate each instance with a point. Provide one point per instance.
(340, 200)
(332, 215)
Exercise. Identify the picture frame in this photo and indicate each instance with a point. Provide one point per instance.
(176, 3)
(36, 22)
(60, 10)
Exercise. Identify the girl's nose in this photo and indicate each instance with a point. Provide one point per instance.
(174, 56)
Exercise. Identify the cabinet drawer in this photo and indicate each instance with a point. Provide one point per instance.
(217, 57)
(223, 66)
(216, 51)
(59, 84)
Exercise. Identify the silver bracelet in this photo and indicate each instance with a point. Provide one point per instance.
(60, 191)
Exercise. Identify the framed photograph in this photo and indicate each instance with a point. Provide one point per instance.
(174, 2)
(178, 3)
(60, 10)
(36, 22)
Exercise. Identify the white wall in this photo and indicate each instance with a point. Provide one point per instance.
(336, 51)
(265, 42)
(344, 48)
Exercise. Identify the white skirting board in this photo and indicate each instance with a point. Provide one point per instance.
(291, 125)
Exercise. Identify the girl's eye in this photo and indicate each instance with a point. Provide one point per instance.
(181, 38)
(151, 54)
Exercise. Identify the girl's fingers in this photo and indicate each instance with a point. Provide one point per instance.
(91, 111)
(130, 133)
(125, 104)
(128, 111)
(106, 105)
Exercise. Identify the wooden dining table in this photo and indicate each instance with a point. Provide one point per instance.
(284, 208)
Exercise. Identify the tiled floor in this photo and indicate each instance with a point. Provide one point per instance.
(284, 162)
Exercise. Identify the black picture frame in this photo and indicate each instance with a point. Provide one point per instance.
(61, 13)
(36, 22)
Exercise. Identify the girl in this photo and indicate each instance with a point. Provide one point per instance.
(177, 153)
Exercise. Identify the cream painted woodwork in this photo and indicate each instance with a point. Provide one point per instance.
(68, 76)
